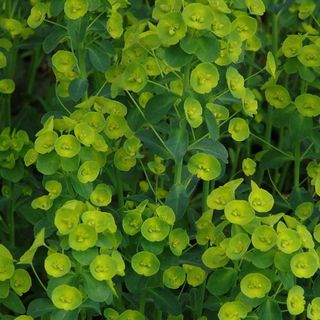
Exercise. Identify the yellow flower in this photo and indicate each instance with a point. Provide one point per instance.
(145, 263)
(166, 214)
(239, 129)
(45, 142)
(101, 196)
(88, 171)
(233, 310)
(66, 297)
(239, 212)
(54, 188)
(57, 265)
(255, 285)
(195, 275)
(304, 264)
(260, 199)
(277, 96)
(197, 16)
(103, 267)
(37, 15)
(214, 257)
(288, 241)
(309, 55)
(155, 229)
(313, 309)
(7, 86)
(244, 25)
(256, 7)
(264, 238)
(82, 237)
(204, 77)
(308, 104)
(178, 241)
(101, 221)
(248, 167)
(295, 300)
(173, 277)
(75, 9)
(237, 246)
(20, 281)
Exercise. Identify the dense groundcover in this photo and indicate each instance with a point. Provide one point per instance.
(159, 159)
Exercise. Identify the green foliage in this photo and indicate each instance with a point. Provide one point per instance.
(159, 159)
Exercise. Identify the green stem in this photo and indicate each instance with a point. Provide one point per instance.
(11, 222)
(275, 36)
(36, 59)
(158, 314)
(120, 189)
(205, 193)
(142, 301)
(82, 67)
(38, 278)
(297, 158)
(178, 172)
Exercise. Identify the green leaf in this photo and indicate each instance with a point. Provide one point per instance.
(98, 291)
(40, 307)
(208, 48)
(77, 88)
(176, 57)
(56, 7)
(300, 127)
(270, 310)
(48, 164)
(221, 281)
(82, 189)
(165, 300)
(273, 159)
(306, 74)
(13, 303)
(178, 200)
(77, 30)
(91, 305)
(282, 261)
(158, 107)
(151, 141)
(98, 58)
(178, 143)
(211, 125)
(288, 279)
(70, 279)
(65, 315)
(271, 64)
(51, 41)
(85, 257)
(15, 174)
(215, 148)
(70, 164)
(4, 289)
(261, 259)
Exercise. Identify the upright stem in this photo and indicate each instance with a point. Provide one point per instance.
(205, 193)
(297, 157)
(120, 189)
(82, 66)
(178, 172)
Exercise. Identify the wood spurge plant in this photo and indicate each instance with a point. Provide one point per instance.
(159, 159)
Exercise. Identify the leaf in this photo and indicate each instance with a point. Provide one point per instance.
(51, 41)
(178, 200)
(273, 159)
(165, 300)
(98, 291)
(65, 315)
(221, 281)
(77, 88)
(82, 189)
(98, 58)
(208, 48)
(176, 57)
(178, 143)
(15, 174)
(270, 310)
(158, 107)
(271, 64)
(48, 164)
(211, 125)
(4, 289)
(306, 74)
(287, 279)
(70, 164)
(77, 30)
(56, 7)
(38, 242)
(85, 257)
(262, 260)
(189, 44)
(40, 307)
(13, 303)
(215, 148)
(300, 127)
(151, 141)
(91, 305)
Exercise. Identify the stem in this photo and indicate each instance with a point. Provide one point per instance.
(11, 222)
(142, 301)
(82, 67)
(158, 314)
(275, 36)
(178, 172)
(38, 278)
(297, 164)
(205, 193)
(120, 189)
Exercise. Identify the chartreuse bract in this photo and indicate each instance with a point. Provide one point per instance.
(165, 156)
